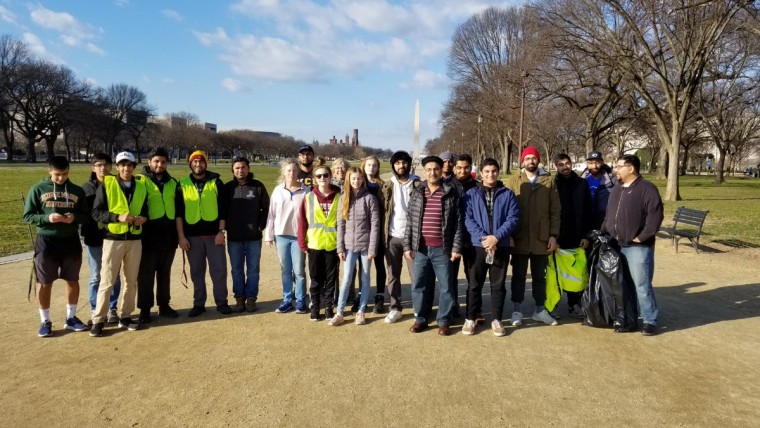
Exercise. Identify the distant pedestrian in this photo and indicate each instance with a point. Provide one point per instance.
(57, 207)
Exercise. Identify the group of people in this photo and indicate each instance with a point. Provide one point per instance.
(133, 223)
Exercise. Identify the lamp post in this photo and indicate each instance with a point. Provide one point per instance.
(477, 152)
(522, 114)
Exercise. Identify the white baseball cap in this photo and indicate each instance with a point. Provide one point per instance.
(125, 156)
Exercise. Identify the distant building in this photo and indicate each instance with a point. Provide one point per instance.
(347, 140)
(211, 127)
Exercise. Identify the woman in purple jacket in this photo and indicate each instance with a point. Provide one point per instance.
(358, 226)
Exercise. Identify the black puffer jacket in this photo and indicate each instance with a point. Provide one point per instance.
(452, 223)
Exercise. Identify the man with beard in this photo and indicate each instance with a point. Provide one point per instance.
(306, 165)
(201, 218)
(465, 182)
(447, 172)
(395, 196)
(575, 220)
(536, 234)
(600, 182)
(159, 238)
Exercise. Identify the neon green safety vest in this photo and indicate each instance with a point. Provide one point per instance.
(566, 271)
(323, 231)
(160, 204)
(117, 203)
(201, 206)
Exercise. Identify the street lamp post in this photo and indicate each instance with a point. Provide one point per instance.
(522, 114)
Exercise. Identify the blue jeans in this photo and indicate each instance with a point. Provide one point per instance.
(348, 273)
(248, 253)
(427, 262)
(292, 265)
(639, 263)
(95, 263)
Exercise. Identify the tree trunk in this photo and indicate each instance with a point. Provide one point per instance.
(685, 163)
(662, 163)
(31, 154)
(719, 177)
(671, 191)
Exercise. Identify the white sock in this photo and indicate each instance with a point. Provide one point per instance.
(44, 315)
(71, 310)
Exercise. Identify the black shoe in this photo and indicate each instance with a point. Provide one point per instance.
(167, 312)
(128, 324)
(329, 314)
(649, 329)
(224, 309)
(354, 307)
(379, 305)
(197, 310)
(145, 317)
(314, 317)
(619, 328)
(97, 329)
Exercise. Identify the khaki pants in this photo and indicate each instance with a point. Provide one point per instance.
(114, 253)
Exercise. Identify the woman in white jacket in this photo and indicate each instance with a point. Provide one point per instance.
(282, 231)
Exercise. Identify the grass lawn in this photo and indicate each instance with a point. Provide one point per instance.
(733, 206)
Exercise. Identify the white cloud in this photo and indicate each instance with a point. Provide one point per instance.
(173, 15)
(168, 80)
(91, 81)
(233, 85)
(7, 16)
(426, 79)
(311, 40)
(35, 44)
(71, 31)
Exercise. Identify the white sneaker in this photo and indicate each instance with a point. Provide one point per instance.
(393, 316)
(498, 328)
(336, 320)
(469, 328)
(360, 320)
(545, 318)
(516, 319)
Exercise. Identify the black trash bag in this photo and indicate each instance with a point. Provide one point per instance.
(609, 299)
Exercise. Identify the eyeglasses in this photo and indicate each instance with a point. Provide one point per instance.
(322, 175)
(621, 165)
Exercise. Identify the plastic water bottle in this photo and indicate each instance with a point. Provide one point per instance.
(489, 257)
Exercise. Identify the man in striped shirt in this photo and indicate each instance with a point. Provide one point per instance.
(433, 239)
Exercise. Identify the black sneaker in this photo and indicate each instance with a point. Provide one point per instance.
(128, 324)
(379, 305)
(224, 309)
(97, 329)
(649, 329)
(145, 317)
(195, 311)
(314, 317)
(329, 314)
(167, 311)
(354, 307)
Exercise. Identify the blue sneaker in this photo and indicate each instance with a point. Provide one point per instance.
(285, 306)
(46, 329)
(301, 307)
(74, 324)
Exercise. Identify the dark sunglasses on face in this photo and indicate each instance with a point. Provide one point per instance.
(322, 175)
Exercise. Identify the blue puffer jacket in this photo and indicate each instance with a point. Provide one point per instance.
(506, 215)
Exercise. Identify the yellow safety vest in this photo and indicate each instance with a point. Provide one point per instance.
(566, 271)
(201, 206)
(117, 203)
(160, 204)
(323, 231)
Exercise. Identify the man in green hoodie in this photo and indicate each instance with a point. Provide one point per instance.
(57, 207)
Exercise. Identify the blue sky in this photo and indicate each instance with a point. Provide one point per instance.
(306, 68)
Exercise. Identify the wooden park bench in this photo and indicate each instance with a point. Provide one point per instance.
(689, 217)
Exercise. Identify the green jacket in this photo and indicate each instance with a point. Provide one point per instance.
(46, 198)
(539, 213)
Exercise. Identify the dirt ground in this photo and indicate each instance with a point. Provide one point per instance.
(280, 369)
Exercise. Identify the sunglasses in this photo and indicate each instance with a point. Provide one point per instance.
(322, 175)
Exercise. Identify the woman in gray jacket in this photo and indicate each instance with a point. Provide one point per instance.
(358, 226)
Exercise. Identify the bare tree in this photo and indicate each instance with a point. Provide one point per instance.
(13, 54)
(121, 101)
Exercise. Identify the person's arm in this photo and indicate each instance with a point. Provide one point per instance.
(303, 225)
(652, 204)
(269, 227)
(179, 212)
(263, 207)
(82, 213)
(100, 208)
(470, 220)
(33, 213)
(506, 229)
(456, 248)
(374, 209)
(341, 236)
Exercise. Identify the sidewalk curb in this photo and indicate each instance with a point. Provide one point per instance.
(16, 258)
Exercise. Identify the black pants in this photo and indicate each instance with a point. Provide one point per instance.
(497, 273)
(323, 276)
(468, 256)
(538, 263)
(155, 265)
(394, 259)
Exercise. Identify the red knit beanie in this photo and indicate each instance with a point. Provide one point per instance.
(530, 150)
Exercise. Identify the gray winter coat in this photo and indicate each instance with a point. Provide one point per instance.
(360, 232)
